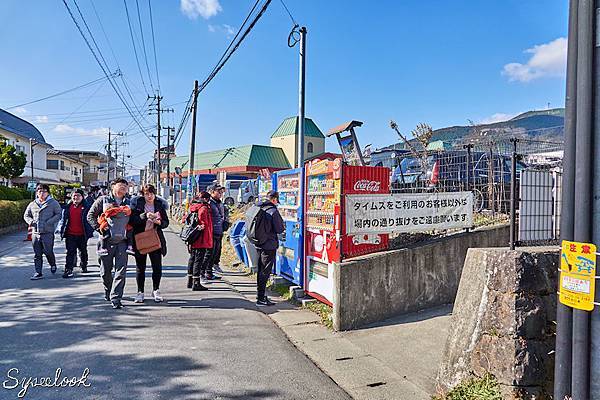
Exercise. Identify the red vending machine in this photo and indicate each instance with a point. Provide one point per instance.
(326, 242)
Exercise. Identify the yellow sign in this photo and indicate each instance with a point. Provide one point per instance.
(578, 275)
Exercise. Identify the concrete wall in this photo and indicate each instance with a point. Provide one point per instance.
(503, 321)
(378, 286)
(288, 144)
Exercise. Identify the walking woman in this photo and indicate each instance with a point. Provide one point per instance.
(149, 212)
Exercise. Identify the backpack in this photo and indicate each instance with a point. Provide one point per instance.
(256, 225)
(190, 231)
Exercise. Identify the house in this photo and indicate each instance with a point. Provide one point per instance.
(27, 139)
(68, 169)
(286, 137)
(95, 172)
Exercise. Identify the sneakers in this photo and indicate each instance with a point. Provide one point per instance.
(139, 298)
(106, 295)
(217, 268)
(84, 269)
(68, 274)
(37, 276)
(102, 252)
(198, 287)
(130, 251)
(264, 302)
(53, 269)
(116, 304)
(190, 282)
(203, 281)
(212, 278)
(157, 297)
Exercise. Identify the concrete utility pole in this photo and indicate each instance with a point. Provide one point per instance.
(32, 143)
(190, 185)
(301, 98)
(108, 160)
(158, 98)
(169, 184)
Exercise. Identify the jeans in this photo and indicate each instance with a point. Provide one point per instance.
(43, 244)
(266, 261)
(117, 260)
(214, 255)
(199, 260)
(140, 269)
(73, 244)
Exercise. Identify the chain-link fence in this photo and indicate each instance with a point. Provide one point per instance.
(496, 171)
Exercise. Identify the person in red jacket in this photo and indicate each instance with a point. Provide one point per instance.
(199, 254)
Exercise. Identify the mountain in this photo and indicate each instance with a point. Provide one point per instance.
(545, 125)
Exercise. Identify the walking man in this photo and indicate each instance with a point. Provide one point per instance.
(218, 220)
(266, 223)
(76, 231)
(43, 215)
(115, 210)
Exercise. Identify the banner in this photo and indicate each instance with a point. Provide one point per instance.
(408, 212)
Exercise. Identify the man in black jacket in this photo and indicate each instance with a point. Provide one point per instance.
(76, 231)
(272, 225)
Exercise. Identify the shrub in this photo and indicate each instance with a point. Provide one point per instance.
(14, 193)
(11, 212)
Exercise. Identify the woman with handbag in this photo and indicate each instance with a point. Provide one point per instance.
(149, 218)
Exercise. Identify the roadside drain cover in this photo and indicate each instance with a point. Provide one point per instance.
(376, 384)
(344, 358)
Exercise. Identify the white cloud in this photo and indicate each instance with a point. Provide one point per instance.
(19, 111)
(548, 59)
(204, 8)
(64, 128)
(41, 119)
(228, 30)
(498, 117)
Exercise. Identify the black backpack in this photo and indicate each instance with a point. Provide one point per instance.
(190, 231)
(256, 225)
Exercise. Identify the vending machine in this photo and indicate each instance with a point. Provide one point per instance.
(289, 184)
(326, 244)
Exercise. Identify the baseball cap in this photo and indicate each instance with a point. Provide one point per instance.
(80, 191)
(272, 193)
(215, 187)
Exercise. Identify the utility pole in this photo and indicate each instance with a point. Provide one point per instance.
(190, 185)
(158, 98)
(108, 160)
(301, 98)
(32, 143)
(169, 185)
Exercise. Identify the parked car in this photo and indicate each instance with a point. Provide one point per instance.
(248, 192)
(232, 191)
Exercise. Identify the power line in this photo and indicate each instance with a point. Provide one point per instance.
(117, 73)
(134, 48)
(154, 44)
(104, 32)
(289, 13)
(82, 104)
(137, 5)
(115, 88)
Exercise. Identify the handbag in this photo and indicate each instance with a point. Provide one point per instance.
(147, 241)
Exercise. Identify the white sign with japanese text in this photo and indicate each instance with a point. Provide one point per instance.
(408, 212)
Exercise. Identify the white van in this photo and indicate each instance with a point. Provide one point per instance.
(248, 192)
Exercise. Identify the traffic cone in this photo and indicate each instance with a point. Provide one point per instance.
(29, 231)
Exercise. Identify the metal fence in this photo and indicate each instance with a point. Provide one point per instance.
(513, 180)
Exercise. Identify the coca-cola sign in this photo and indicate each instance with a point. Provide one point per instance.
(365, 185)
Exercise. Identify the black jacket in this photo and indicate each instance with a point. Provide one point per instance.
(138, 219)
(274, 226)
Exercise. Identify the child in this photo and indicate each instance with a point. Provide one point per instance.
(104, 220)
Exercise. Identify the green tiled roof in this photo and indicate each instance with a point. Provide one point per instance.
(253, 155)
(289, 127)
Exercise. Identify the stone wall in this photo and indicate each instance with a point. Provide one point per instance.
(502, 321)
(379, 286)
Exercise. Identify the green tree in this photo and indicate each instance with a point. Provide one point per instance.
(12, 163)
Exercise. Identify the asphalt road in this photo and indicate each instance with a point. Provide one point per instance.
(196, 345)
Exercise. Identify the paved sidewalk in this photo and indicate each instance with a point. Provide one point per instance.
(195, 345)
(394, 359)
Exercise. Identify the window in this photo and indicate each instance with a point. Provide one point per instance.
(20, 149)
(51, 164)
(310, 147)
(62, 165)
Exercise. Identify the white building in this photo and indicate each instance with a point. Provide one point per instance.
(23, 135)
(68, 169)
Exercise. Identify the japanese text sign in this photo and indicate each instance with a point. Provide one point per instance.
(408, 212)
(578, 275)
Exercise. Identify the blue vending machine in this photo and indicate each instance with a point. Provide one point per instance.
(290, 261)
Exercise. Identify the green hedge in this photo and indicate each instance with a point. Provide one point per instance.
(11, 212)
(8, 193)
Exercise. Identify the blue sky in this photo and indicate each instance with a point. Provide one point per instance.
(434, 61)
